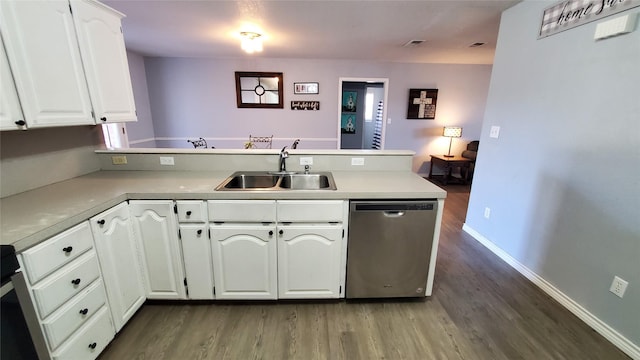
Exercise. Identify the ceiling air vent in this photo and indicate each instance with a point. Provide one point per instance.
(476, 44)
(413, 43)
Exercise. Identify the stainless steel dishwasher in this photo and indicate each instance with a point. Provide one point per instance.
(389, 248)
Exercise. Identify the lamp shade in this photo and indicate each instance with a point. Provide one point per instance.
(452, 131)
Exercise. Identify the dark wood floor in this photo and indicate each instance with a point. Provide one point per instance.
(480, 309)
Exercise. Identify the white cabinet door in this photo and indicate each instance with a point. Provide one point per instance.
(11, 117)
(119, 261)
(196, 249)
(105, 61)
(309, 258)
(244, 261)
(42, 47)
(156, 230)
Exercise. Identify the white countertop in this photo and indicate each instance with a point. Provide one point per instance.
(33, 216)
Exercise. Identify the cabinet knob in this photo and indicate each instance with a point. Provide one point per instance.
(199, 231)
(270, 232)
(67, 249)
(21, 123)
(103, 118)
(189, 213)
(281, 232)
(92, 346)
(101, 222)
(75, 281)
(84, 311)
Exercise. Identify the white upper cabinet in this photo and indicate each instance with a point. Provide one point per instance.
(105, 61)
(42, 48)
(11, 117)
(69, 67)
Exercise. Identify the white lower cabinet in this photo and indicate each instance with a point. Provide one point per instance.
(309, 259)
(238, 249)
(59, 326)
(62, 281)
(119, 262)
(311, 248)
(245, 261)
(198, 267)
(196, 248)
(156, 231)
(89, 341)
(287, 249)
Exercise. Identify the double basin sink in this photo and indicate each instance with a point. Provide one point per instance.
(281, 180)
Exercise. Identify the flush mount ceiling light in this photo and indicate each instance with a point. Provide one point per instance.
(251, 42)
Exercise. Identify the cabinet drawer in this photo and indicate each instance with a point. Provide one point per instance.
(310, 211)
(90, 340)
(192, 211)
(61, 249)
(242, 210)
(61, 286)
(72, 315)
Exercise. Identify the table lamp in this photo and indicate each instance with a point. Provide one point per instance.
(451, 132)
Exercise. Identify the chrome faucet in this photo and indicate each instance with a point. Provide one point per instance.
(283, 157)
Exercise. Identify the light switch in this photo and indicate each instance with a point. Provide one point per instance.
(495, 132)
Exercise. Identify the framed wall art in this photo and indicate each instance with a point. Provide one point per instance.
(422, 104)
(259, 90)
(349, 101)
(306, 88)
(305, 105)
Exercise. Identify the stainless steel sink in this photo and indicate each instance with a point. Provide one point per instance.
(264, 180)
(252, 181)
(305, 181)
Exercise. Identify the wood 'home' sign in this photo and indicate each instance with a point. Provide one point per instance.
(305, 105)
(568, 14)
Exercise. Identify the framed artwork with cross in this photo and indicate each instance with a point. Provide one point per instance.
(422, 104)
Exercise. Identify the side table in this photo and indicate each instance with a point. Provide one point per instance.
(448, 164)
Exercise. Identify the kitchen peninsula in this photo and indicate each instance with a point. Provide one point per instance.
(153, 223)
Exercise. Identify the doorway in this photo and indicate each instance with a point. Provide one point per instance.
(362, 112)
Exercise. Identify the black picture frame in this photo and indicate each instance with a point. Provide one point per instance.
(422, 104)
(259, 90)
(306, 88)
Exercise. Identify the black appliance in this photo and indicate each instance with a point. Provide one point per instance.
(16, 342)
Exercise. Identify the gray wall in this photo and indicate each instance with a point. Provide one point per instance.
(191, 98)
(563, 179)
(140, 133)
(34, 158)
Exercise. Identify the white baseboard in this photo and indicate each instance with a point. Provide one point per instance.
(598, 325)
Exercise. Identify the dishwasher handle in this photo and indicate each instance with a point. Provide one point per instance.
(393, 214)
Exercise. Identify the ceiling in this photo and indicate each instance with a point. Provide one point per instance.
(316, 29)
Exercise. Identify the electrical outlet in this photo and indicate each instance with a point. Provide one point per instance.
(487, 212)
(357, 161)
(306, 160)
(618, 286)
(166, 160)
(119, 160)
(495, 132)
